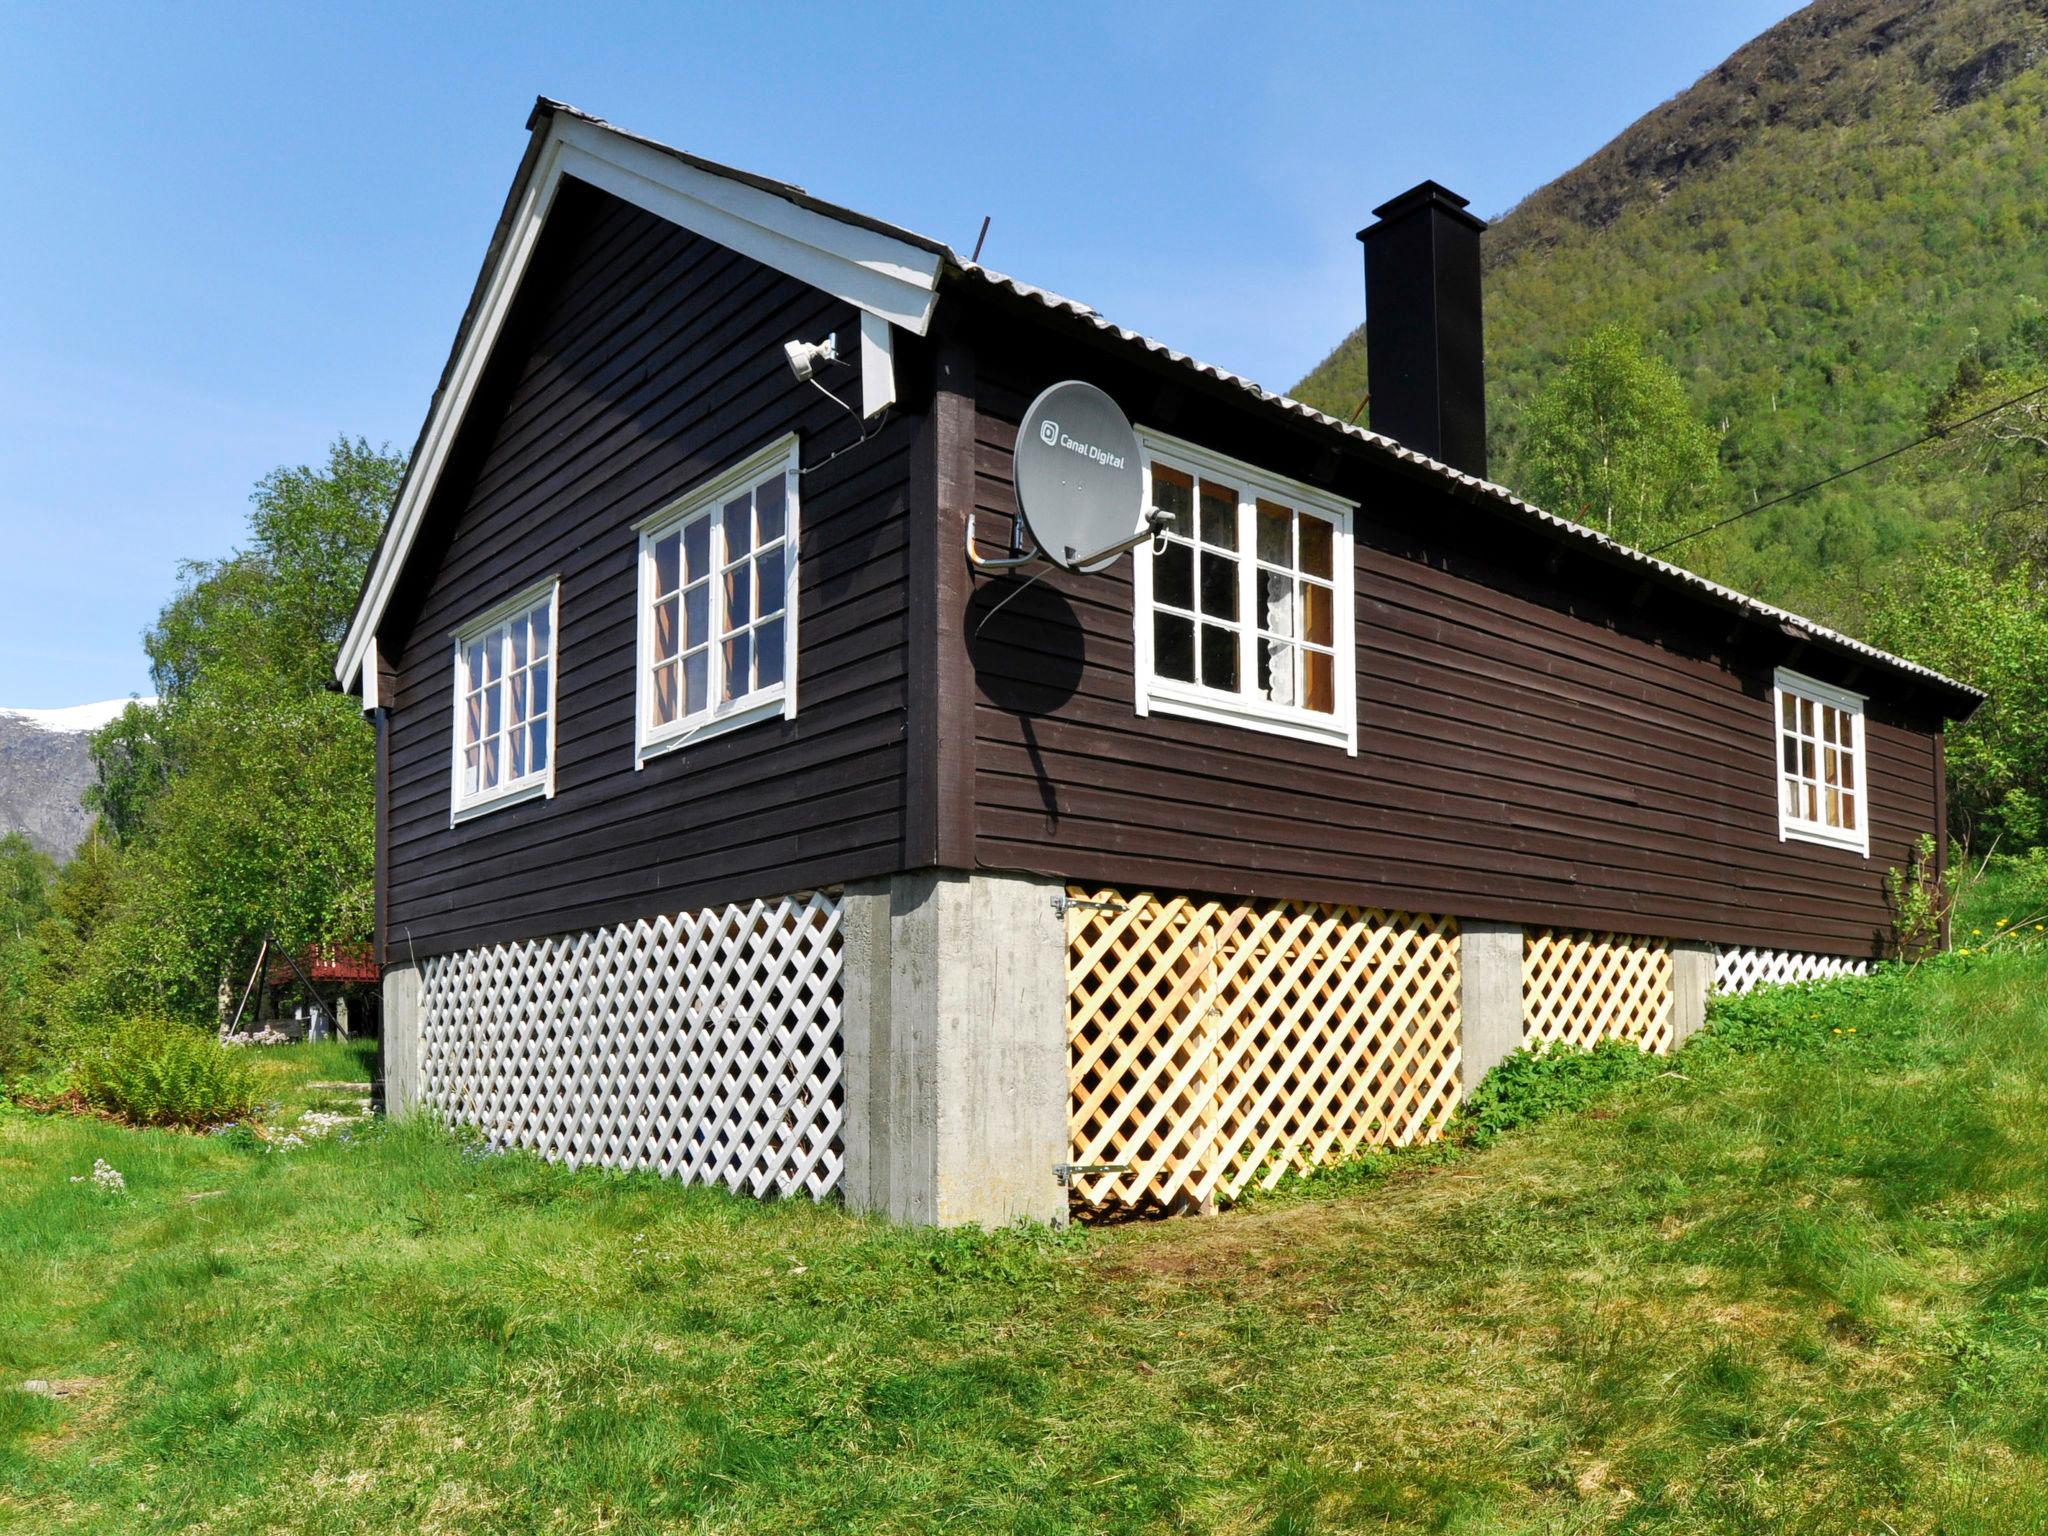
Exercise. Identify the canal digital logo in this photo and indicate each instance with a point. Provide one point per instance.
(1049, 433)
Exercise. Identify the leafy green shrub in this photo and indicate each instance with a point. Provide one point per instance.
(1919, 901)
(155, 1073)
(1529, 1086)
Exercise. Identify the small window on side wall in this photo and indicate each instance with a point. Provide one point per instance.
(1244, 609)
(1823, 789)
(718, 584)
(505, 704)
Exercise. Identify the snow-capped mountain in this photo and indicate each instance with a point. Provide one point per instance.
(45, 768)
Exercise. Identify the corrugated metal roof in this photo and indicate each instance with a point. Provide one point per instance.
(1472, 483)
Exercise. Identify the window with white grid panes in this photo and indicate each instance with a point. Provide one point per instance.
(505, 704)
(1244, 600)
(1822, 788)
(718, 604)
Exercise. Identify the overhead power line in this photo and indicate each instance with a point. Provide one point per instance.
(1853, 469)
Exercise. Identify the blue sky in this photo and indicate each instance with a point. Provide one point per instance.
(237, 231)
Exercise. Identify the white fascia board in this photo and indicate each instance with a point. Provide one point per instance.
(868, 269)
(877, 364)
(370, 677)
(890, 281)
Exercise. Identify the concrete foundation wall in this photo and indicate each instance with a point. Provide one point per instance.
(955, 1084)
(400, 1049)
(866, 1022)
(1489, 996)
(1692, 983)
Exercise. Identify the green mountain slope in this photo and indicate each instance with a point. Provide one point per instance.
(1813, 235)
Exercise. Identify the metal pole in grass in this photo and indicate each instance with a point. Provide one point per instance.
(262, 950)
(320, 1008)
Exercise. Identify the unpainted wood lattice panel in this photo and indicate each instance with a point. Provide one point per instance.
(1744, 969)
(1217, 1043)
(704, 1045)
(1582, 988)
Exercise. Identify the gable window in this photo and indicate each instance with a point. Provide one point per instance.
(1823, 792)
(718, 604)
(505, 704)
(1244, 606)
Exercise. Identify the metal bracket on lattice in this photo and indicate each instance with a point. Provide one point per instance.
(705, 1045)
(1739, 969)
(1065, 1173)
(1581, 988)
(1062, 905)
(1217, 1043)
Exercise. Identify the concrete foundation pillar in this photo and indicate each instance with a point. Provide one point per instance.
(954, 1016)
(1692, 983)
(865, 1021)
(1489, 996)
(400, 1048)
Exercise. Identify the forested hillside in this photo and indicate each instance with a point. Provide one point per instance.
(1817, 237)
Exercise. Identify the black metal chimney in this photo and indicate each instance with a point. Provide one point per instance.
(1425, 358)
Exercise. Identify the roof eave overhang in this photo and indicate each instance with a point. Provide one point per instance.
(886, 273)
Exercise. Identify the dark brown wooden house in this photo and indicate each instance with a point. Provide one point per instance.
(733, 822)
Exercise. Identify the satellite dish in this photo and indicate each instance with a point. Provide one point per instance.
(1079, 476)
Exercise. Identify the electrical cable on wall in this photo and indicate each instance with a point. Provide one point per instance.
(868, 427)
(805, 358)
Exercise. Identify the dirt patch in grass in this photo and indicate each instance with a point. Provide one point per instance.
(59, 1386)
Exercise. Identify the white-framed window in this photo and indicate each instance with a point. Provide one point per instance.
(1244, 611)
(718, 585)
(1823, 789)
(504, 745)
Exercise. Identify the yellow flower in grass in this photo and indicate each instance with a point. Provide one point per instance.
(2001, 922)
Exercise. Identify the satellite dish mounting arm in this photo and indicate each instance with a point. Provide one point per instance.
(1016, 560)
(1156, 522)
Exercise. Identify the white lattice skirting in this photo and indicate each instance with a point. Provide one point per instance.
(1744, 970)
(706, 1046)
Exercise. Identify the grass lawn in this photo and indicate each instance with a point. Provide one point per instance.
(1797, 1283)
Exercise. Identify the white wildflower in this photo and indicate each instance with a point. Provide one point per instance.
(105, 1177)
(320, 1122)
(264, 1036)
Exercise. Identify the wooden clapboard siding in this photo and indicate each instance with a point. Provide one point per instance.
(1543, 737)
(1546, 736)
(640, 360)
